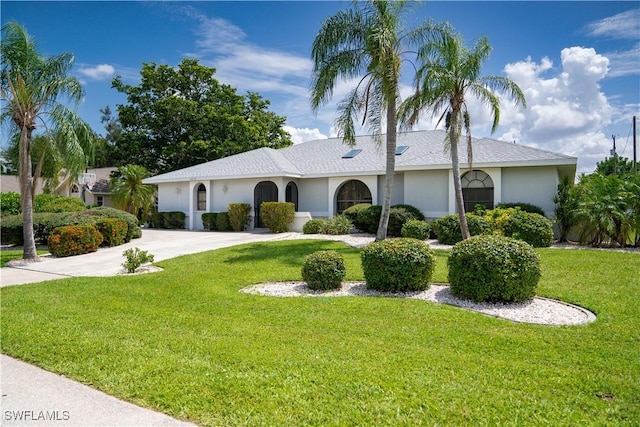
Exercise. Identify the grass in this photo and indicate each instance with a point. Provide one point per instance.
(11, 254)
(187, 343)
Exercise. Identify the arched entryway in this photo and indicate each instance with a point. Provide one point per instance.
(351, 193)
(265, 191)
(201, 198)
(477, 189)
(291, 194)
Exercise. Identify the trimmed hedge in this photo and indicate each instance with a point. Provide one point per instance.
(113, 230)
(532, 228)
(398, 265)
(222, 221)
(323, 270)
(447, 228)
(416, 229)
(417, 213)
(56, 203)
(493, 269)
(315, 226)
(337, 225)
(366, 217)
(133, 227)
(527, 207)
(239, 215)
(353, 213)
(209, 221)
(74, 240)
(277, 216)
(10, 203)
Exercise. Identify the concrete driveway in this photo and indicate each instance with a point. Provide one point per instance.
(162, 244)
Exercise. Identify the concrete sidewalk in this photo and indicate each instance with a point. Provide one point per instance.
(32, 396)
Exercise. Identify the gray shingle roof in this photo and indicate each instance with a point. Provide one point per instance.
(324, 157)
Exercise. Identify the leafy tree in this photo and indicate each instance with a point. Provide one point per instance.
(449, 73)
(33, 88)
(366, 42)
(179, 117)
(105, 148)
(615, 166)
(128, 191)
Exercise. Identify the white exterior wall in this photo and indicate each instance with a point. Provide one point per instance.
(313, 195)
(535, 185)
(173, 196)
(427, 191)
(397, 192)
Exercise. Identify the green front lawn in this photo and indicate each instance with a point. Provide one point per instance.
(187, 343)
(11, 254)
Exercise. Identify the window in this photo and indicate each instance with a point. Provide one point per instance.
(401, 149)
(100, 201)
(351, 154)
(202, 197)
(477, 189)
(291, 194)
(75, 189)
(351, 193)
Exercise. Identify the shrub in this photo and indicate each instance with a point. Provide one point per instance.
(239, 215)
(133, 228)
(447, 228)
(337, 225)
(353, 214)
(113, 230)
(369, 219)
(10, 203)
(11, 230)
(277, 216)
(74, 240)
(398, 265)
(315, 226)
(323, 270)
(222, 221)
(173, 220)
(56, 203)
(532, 228)
(417, 213)
(416, 229)
(397, 218)
(135, 258)
(526, 207)
(493, 269)
(209, 221)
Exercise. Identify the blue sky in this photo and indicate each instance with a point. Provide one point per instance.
(577, 62)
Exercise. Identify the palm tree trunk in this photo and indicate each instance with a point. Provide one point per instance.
(457, 184)
(26, 193)
(391, 166)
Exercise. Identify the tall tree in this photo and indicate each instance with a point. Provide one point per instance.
(366, 42)
(128, 191)
(34, 89)
(448, 75)
(179, 117)
(615, 165)
(105, 146)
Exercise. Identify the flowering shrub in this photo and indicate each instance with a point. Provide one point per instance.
(113, 230)
(74, 240)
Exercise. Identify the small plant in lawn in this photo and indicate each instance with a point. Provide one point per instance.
(493, 269)
(135, 258)
(398, 265)
(323, 270)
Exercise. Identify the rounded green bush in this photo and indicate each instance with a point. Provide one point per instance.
(74, 240)
(324, 270)
(398, 265)
(416, 229)
(398, 217)
(417, 213)
(369, 218)
(314, 226)
(353, 212)
(222, 221)
(447, 228)
(277, 216)
(526, 207)
(133, 228)
(530, 227)
(113, 230)
(493, 269)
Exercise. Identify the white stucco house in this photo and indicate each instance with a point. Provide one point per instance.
(324, 177)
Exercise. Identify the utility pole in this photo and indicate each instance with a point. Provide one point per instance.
(635, 148)
(615, 156)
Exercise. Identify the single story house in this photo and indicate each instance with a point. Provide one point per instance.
(324, 177)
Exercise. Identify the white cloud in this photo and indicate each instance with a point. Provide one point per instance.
(625, 25)
(299, 135)
(99, 72)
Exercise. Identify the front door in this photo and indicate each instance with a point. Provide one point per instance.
(265, 191)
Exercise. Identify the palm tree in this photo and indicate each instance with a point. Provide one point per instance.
(365, 42)
(448, 74)
(33, 88)
(128, 191)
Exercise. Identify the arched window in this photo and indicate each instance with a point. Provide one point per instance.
(75, 189)
(477, 189)
(351, 193)
(202, 197)
(291, 194)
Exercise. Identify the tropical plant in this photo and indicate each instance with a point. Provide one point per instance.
(128, 191)
(449, 73)
(32, 88)
(565, 206)
(366, 42)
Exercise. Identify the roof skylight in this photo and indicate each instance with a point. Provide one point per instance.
(401, 149)
(351, 154)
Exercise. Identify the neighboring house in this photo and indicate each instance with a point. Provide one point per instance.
(11, 183)
(92, 186)
(324, 177)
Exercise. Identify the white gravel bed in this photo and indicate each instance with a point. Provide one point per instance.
(541, 311)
